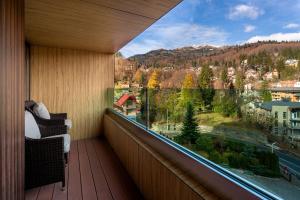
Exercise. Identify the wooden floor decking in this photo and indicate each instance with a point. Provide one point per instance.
(93, 172)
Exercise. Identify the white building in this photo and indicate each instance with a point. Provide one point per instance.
(291, 62)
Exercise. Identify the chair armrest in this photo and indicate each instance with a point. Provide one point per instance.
(49, 122)
(59, 116)
(47, 131)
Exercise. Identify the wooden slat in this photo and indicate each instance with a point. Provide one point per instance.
(12, 99)
(157, 177)
(94, 173)
(100, 180)
(101, 25)
(121, 185)
(75, 82)
(46, 192)
(32, 194)
(87, 182)
(74, 186)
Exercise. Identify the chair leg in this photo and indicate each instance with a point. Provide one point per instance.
(66, 157)
(63, 184)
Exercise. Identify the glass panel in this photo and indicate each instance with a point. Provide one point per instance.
(237, 130)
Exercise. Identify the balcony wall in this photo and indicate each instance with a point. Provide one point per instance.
(156, 176)
(73, 81)
(11, 99)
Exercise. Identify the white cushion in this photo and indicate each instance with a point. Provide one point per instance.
(41, 110)
(68, 123)
(31, 128)
(67, 141)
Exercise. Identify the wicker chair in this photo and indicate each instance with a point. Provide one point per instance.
(44, 153)
(55, 118)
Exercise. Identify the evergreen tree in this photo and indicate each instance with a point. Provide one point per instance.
(205, 77)
(205, 84)
(265, 93)
(189, 132)
(224, 77)
(239, 81)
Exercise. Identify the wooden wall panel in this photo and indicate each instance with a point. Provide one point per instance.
(73, 81)
(12, 99)
(155, 176)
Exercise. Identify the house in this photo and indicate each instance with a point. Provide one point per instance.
(230, 72)
(291, 62)
(286, 118)
(271, 75)
(285, 93)
(248, 87)
(288, 83)
(127, 104)
(251, 74)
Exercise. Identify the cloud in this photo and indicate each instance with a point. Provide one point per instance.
(173, 36)
(292, 25)
(249, 28)
(276, 36)
(245, 11)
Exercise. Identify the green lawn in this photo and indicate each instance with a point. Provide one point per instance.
(214, 119)
(217, 120)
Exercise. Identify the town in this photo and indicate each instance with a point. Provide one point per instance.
(249, 102)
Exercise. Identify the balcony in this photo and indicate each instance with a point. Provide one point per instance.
(93, 172)
(63, 54)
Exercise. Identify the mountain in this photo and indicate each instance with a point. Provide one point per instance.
(196, 55)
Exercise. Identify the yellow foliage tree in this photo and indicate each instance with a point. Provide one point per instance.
(153, 80)
(188, 82)
(138, 77)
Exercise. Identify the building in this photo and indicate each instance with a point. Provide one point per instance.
(271, 75)
(288, 83)
(127, 104)
(286, 118)
(291, 62)
(286, 93)
(251, 74)
(230, 72)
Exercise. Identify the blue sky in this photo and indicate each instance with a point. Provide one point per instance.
(217, 22)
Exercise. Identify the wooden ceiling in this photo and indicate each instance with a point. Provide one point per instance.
(99, 25)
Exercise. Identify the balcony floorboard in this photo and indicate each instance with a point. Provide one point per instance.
(93, 172)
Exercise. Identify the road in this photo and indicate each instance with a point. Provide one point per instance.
(292, 162)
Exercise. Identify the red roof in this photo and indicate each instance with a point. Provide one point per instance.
(124, 98)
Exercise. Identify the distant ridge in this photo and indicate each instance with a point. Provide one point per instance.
(197, 54)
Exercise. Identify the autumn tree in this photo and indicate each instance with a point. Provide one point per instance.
(189, 132)
(153, 82)
(139, 77)
(190, 93)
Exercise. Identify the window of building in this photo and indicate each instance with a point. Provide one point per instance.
(284, 115)
(276, 115)
(284, 123)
